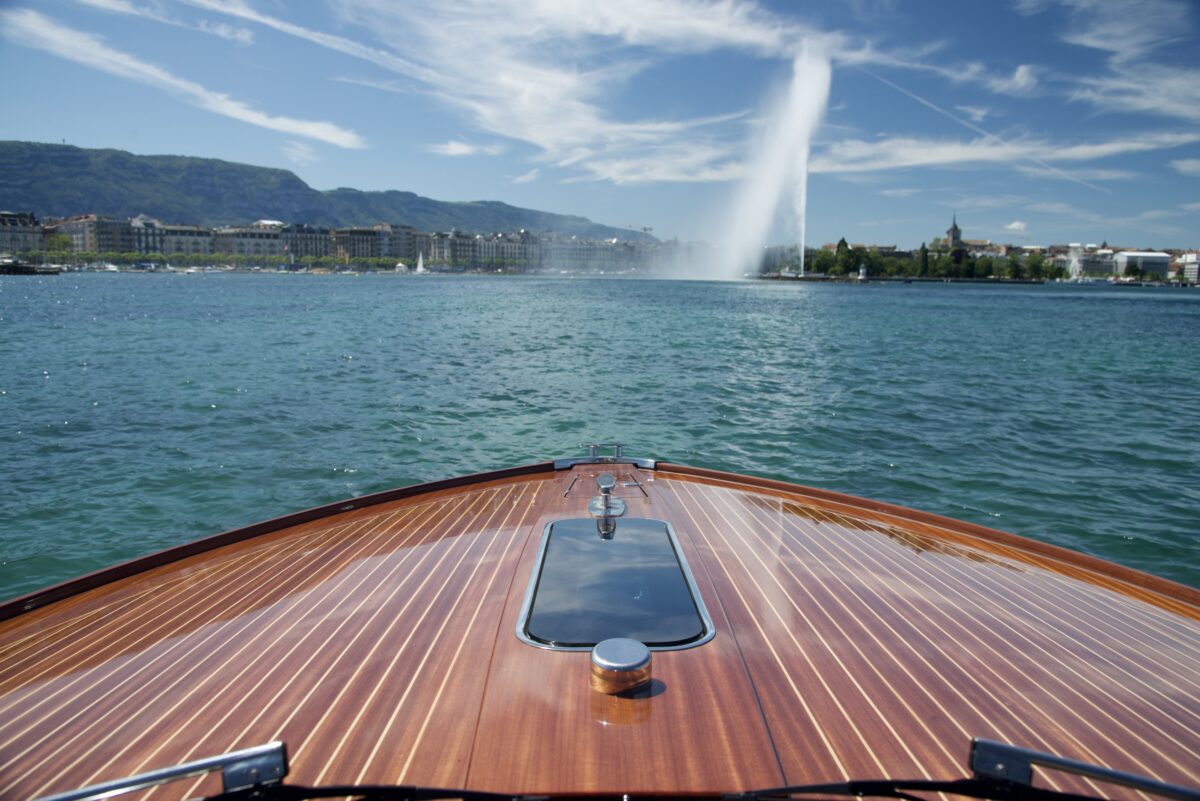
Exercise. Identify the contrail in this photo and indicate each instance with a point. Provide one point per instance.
(984, 133)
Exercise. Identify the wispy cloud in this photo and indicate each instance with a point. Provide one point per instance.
(300, 153)
(1143, 89)
(154, 11)
(1128, 29)
(233, 34)
(32, 29)
(1187, 166)
(1023, 81)
(1016, 225)
(854, 155)
(909, 192)
(542, 73)
(1191, 206)
(975, 114)
(394, 87)
(529, 177)
(1131, 31)
(1087, 174)
(456, 148)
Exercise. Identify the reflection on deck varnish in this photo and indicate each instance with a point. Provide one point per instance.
(853, 639)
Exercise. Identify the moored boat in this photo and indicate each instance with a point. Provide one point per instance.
(443, 635)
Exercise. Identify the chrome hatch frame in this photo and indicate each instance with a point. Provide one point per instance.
(535, 575)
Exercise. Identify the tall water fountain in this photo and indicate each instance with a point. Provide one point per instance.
(1075, 262)
(780, 165)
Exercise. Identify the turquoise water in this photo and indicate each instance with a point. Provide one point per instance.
(139, 411)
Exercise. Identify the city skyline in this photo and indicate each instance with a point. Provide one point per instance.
(1037, 121)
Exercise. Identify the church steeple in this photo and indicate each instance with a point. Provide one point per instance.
(954, 234)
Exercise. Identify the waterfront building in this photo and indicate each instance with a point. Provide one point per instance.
(404, 245)
(186, 240)
(453, 249)
(1189, 264)
(260, 239)
(519, 249)
(93, 233)
(20, 232)
(373, 242)
(299, 241)
(421, 243)
(1153, 262)
(154, 236)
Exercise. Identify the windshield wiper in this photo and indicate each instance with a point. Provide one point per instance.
(1000, 772)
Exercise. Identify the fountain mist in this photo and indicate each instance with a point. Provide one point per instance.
(781, 162)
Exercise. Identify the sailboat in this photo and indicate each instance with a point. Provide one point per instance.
(421, 264)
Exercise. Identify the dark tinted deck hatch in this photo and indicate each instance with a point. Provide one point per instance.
(585, 589)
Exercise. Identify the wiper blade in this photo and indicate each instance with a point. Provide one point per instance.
(1002, 772)
(373, 792)
(904, 788)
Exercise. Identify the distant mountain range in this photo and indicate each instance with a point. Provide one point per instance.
(61, 180)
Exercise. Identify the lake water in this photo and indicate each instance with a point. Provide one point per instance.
(140, 411)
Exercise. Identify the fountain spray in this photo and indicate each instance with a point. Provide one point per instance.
(782, 161)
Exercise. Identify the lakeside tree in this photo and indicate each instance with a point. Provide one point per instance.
(923, 266)
(823, 262)
(1035, 266)
(1013, 267)
(59, 243)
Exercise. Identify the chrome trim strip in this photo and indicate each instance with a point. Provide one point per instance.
(534, 574)
(260, 766)
(566, 464)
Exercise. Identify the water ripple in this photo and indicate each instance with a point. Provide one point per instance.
(143, 411)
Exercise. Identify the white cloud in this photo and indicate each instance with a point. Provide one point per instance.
(899, 192)
(1131, 32)
(456, 148)
(393, 87)
(1127, 28)
(239, 35)
(300, 153)
(1086, 174)
(32, 29)
(543, 72)
(528, 177)
(1187, 166)
(974, 113)
(1143, 89)
(855, 155)
(1016, 225)
(154, 11)
(1191, 206)
(1023, 81)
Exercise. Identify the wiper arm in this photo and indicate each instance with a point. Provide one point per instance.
(257, 773)
(373, 792)
(1002, 772)
(904, 788)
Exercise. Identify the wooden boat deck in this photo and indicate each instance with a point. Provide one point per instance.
(854, 640)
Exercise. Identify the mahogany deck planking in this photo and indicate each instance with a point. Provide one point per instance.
(854, 639)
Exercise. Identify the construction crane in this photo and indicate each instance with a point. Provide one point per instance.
(644, 229)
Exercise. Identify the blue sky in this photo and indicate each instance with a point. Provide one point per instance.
(1037, 121)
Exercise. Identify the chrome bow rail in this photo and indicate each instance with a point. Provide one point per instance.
(594, 457)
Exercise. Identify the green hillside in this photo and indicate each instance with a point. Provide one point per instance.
(61, 180)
